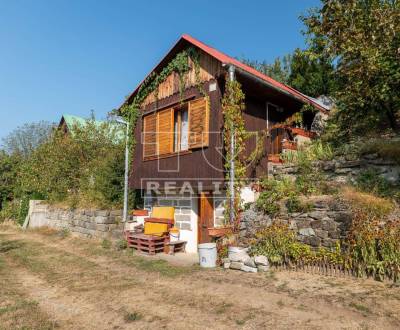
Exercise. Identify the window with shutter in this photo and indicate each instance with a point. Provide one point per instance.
(165, 131)
(150, 135)
(199, 117)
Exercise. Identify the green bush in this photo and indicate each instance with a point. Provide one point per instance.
(370, 181)
(273, 192)
(84, 167)
(279, 244)
(294, 204)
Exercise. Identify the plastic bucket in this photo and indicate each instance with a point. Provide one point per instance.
(208, 255)
(174, 234)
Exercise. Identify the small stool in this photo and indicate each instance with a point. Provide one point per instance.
(176, 246)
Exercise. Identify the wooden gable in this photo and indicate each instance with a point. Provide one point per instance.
(210, 68)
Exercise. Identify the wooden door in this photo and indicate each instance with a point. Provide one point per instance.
(206, 217)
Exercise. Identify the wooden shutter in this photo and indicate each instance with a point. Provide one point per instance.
(150, 135)
(199, 117)
(165, 131)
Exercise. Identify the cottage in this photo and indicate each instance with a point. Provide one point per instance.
(179, 159)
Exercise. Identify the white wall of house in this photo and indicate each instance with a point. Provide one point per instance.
(186, 216)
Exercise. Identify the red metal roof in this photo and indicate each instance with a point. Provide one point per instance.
(223, 58)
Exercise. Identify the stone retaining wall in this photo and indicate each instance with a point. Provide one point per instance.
(326, 223)
(344, 171)
(103, 224)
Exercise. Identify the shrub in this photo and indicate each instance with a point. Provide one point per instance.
(388, 149)
(294, 204)
(106, 244)
(370, 181)
(279, 244)
(371, 206)
(121, 244)
(84, 167)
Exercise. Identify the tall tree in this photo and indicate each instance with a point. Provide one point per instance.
(23, 140)
(310, 74)
(8, 176)
(363, 38)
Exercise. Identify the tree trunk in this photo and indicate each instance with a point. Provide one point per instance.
(390, 115)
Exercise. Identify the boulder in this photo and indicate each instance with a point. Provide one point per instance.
(227, 265)
(261, 260)
(250, 262)
(317, 215)
(262, 268)
(248, 269)
(236, 265)
(239, 257)
(307, 232)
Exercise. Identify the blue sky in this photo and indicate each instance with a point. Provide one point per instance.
(74, 56)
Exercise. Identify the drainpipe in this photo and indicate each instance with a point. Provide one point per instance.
(231, 71)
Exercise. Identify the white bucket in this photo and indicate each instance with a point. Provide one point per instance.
(208, 255)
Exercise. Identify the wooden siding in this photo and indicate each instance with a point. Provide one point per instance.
(203, 164)
(209, 69)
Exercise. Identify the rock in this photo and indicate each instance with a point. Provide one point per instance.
(317, 215)
(314, 241)
(371, 156)
(321, 233)
(349, 163)
(227, 265)
(307, 232)
(239, 257)
(103, 213)
(344, 217)
(224, 260)
(248, 269)
(328, 166)
(236, 265)
(343, 170)
(250, 262)
(316, 224)
(261, 260)
(262, 268)
(102, 227)
(116, 213)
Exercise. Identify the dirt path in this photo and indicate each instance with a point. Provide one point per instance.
(79, 284)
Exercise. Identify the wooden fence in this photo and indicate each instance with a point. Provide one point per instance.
(391, 274)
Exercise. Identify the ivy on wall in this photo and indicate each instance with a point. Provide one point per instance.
(180, 65)
(232, 109)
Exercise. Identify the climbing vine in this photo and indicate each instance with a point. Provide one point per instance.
(232, 108)
(180, 65)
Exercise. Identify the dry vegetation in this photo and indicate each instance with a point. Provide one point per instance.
(49, 280)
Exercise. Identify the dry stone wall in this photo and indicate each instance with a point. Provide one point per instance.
(103, 224)
(343, 171)
(327, 222)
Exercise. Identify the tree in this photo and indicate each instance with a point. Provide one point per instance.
(309, 74)
(83, 167)
(23, 140)
(279, 70)
(363, 38)
(8, 176)
(312, 75)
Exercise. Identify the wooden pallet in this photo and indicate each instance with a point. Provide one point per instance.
(147, 243)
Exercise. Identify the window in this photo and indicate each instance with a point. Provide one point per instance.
(181, 129)
(176, 129)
